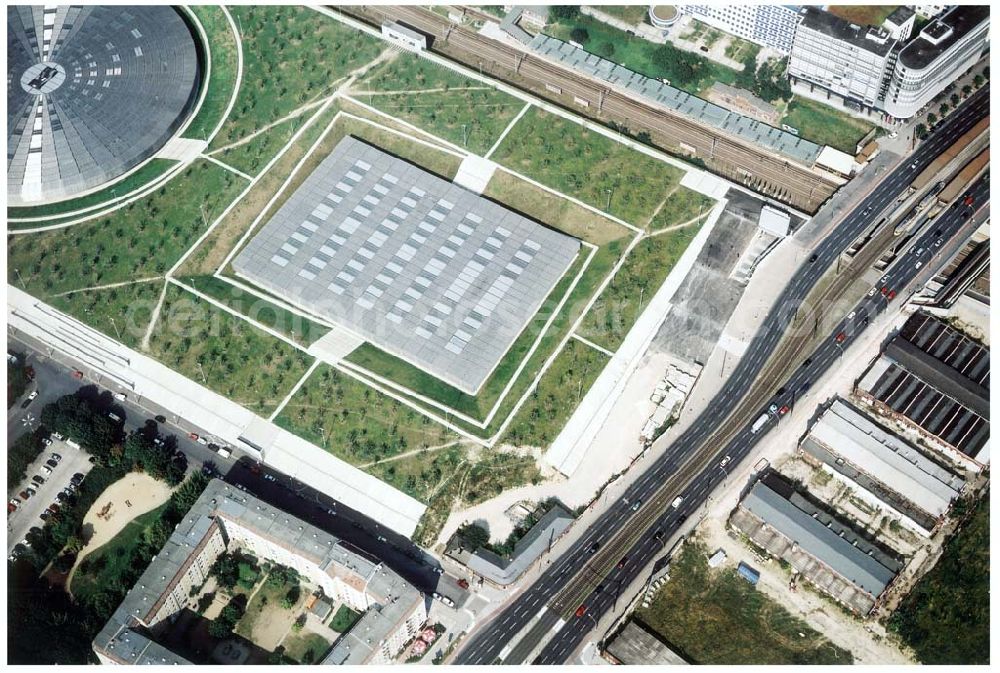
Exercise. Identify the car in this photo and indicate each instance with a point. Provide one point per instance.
(636, 505)
(464, 583)
(38, 479)
(781, 391)
(331, 512)
(437, 570)
(783, 410)
(850, 316)
(594, 546)
(115, 417)
(268, 477)
(913, 165)
(51, 464)
(193, 436)
(773, 408)
(33, 395)
(157, 441)
(30, 490)
(18, 549)
(56, 435)
(937, 243)
(871, 292)
(77, 374)
(599, 588)
(965, 215)
(53, 508)
(893, 135)
(13, 504)
(46, 470)
(658, 533)
(92, 460)
(76, 478)
(581, 611)
(892, 294)
(44, 516)
(202, 441)
(807, 362)
(60, 496)
(725, 461)
(677, 502)
(159, 418)
(622, 562)
(840, 337)
(813, 258)
(120, 397)
(918, 265)
(46, 441)
(382, 538)
(34, 530)
(69, 491)
(444, 599)
(24, 495)
(968, 200)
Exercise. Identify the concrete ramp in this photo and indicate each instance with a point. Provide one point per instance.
(475, 173)
(335, 345)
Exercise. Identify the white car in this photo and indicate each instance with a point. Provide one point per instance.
(725, 461)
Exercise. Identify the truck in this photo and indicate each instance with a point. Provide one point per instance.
(759, 424)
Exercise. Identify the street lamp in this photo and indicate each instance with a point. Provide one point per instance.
(116, 328)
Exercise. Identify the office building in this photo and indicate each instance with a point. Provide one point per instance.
(767, 25)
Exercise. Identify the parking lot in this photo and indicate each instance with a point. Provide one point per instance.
(28, 513)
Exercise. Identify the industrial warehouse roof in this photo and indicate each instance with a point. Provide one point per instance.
(419, 266)
(886, 458)
(767, 137)
(943, 33)
(835, 546)
(968, 359)
(220, 502)
(91, 93)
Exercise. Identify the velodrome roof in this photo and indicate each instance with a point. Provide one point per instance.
(767, 137)
(887, 458)
(91, 93)
(413, 263)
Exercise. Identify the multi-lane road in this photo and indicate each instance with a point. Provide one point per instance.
(615, 549)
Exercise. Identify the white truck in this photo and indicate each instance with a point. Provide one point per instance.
(759, 424)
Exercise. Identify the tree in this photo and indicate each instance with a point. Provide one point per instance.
(226, 570)
(932, 119)
(977, 81)
(579, 35)
(966, 91)
(607, 49)
(291, 598)
(218, 628)
(955, 100)
(475, 535)
(563, 13)
(921, 131)
(944, 109)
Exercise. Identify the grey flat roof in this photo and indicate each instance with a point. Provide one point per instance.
(886, 458)
(969, 360)
(652, 90)
(101, 94)
(637, 646)
(960, 20)
(833, 546)
(835, 27)
(413, 263)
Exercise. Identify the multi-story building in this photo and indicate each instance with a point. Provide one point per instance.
(946, 47)
(880, 67)
(850, 61)
(226, 518)
(767, 25)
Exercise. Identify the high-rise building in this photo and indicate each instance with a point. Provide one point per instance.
(946, 47)
(880, 68)
(767, 25)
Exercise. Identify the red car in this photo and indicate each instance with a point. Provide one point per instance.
(193, 435)
(968, 200)
(783, 410)
(621, 564)
(841, 337)
(892, 293)
(581, 611)
(77, 374)
(464, 583)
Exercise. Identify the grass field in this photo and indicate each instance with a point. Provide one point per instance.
(222, 45)
(292, 325)
(647, 266)
(632, 14)
(463, 111)
(141, 240)
(946, 617)
(292, 55)
(122, 313)
(356, 422)
(825, 125)
(593, 168)
(305, 648)
(557, 395)
(148, 173)
(103, 566)
(682, 206)
(645, 57)
(713, 617)
(268, 597)
(225, 353)
(252, 155)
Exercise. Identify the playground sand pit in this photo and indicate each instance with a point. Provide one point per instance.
(122, 501)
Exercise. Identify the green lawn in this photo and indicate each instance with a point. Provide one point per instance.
(141, 240)
(825, 125)
(289, 323)
(946, 617)
(557, 395)
(222, 45)
(122, 313)
(690, 72)
(354, 421)
(291, 55)
(467, 113)
(268, 596)
(632, 14)
(593, 168)
(305, 648)
(252, 156)
(248, 366)
(107, 563)
(681, 206)
(718, 618)
(642, 274)
(151, 171)
(863, 15)
(344, 619)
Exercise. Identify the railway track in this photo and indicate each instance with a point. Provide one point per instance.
(735, 159)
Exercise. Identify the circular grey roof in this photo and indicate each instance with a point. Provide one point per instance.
(91, 93)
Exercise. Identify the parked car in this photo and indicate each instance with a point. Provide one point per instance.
(464, 583)
(636, 505)
(30, 490)
(61, 496)
(13, 504)
(46, 470)
(24, 495)
(51, 464)
(44, 516)
(53, 508)
(56, 435)
(38, 479)
(594, 547)
(76, 478)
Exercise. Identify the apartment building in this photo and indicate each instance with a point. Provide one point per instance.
(767, 25)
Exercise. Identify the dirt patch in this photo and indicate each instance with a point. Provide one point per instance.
(124, 500)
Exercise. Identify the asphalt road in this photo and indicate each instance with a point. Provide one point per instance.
(571, 579)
